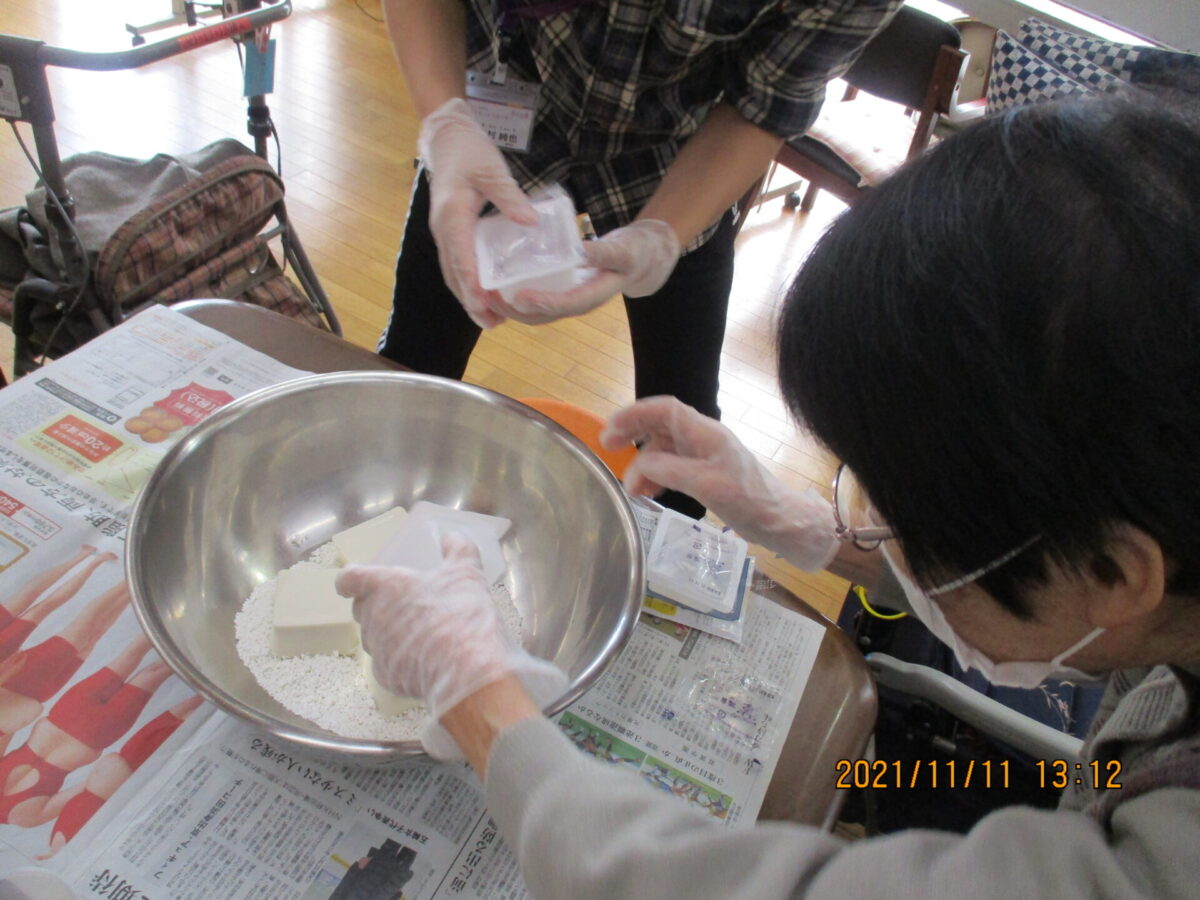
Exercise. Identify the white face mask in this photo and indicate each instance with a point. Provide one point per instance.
(1007, 674)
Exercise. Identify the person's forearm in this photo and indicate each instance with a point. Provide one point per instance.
(477, 721)
(430, 40)
(859, 566)
(714, 168)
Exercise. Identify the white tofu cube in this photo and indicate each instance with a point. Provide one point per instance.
(361, 543)
(388, 704)
(310, 616)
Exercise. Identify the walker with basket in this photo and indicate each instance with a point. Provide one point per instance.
(102, 236)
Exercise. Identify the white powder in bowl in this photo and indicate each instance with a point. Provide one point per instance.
(330, 690)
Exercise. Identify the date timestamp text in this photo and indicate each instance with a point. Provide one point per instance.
(986, 774)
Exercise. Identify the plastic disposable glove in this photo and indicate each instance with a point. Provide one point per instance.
(436, 635)
(690, 452)
(466, 170)
(635, 261)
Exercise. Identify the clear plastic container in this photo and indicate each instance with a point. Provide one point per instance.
(542, 257)
(695, 563)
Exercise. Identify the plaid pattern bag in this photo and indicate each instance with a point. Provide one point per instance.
(202, 240)
(248, 272)
(162, 230)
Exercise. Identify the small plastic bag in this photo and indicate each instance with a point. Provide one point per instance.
(738, 706)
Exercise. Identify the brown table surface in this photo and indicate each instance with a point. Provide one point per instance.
(836, 713)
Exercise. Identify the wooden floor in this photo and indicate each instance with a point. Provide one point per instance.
(348, 135)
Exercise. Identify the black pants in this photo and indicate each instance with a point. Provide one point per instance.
(676, 333)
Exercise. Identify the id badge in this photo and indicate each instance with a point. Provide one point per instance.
(504, 110)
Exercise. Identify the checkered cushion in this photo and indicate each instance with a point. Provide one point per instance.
(1066, 49)
(1019, 76)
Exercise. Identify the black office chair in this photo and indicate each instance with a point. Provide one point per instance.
(914, 62)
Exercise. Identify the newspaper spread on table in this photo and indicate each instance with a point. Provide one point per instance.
(158, 795)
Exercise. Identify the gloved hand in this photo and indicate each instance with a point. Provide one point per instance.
(466, 170)
(635, 261)
(436, 635)
(690, 452)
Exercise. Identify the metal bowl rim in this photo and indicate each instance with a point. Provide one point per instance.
(325, 742)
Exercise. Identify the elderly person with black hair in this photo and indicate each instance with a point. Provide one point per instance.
(1001, 343)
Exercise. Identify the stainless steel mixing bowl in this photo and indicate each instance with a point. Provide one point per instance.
(274, 475)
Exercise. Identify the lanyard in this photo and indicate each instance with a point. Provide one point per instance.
(507, 14)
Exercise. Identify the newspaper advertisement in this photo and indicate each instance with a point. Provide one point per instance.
(98, 421)
(84, 701)
(237, 813)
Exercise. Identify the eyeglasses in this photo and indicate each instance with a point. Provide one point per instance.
(852, 513)
(854, 524)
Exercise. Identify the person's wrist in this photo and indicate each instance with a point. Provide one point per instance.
(455, 112)
(804, 523)
(478, 720)
(664, 233)
(660, 251)
(453, 108)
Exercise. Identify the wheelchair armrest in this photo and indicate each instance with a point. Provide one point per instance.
(989, 716)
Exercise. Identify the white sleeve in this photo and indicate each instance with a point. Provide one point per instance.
(583, 829)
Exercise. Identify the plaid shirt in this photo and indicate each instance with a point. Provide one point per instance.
(626, 82)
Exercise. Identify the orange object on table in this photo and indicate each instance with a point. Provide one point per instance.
(586, 426)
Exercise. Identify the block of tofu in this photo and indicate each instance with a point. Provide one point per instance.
(310, 616)
(486, 531)
(361, 543)
(388, 704)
